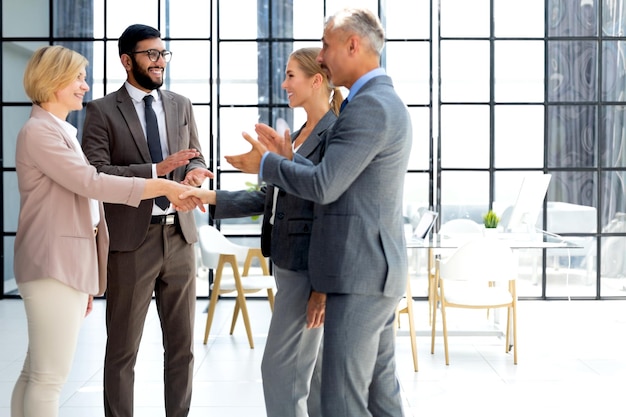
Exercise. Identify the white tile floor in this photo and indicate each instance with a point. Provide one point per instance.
(572, 360)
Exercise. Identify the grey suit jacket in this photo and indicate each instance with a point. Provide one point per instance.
(357, 243)
(55, 237)
(114, 142)
(287, 241)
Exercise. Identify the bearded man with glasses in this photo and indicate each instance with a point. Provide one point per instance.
(144, 131)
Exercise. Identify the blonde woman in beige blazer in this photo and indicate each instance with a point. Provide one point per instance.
(62, 240)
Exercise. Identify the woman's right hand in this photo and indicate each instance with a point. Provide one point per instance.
(203, 195)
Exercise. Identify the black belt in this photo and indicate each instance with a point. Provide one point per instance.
(164, 219)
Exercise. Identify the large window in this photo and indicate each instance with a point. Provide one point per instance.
(497, 90)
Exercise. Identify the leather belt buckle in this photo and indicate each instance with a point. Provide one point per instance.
(167, 219)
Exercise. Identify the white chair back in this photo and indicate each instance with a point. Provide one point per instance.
(213, 243)
(481, 259)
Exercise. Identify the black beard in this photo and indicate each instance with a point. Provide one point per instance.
(143, 79)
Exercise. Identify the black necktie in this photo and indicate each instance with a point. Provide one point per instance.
(343, 104)
(154, 143)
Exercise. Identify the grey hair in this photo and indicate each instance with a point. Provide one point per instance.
(362, 22)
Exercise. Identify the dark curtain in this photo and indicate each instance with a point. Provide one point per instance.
(572, 77)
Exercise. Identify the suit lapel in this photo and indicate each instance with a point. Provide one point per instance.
(313, 141)
(170, 107)
(127, 109)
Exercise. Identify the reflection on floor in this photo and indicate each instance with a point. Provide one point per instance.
(571, 360)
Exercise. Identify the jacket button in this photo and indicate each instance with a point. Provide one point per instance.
(280, 215)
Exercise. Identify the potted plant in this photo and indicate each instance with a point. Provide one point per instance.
(491, 220)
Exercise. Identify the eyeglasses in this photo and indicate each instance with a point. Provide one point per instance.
(154, 54)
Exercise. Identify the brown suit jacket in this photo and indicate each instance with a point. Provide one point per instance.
(55, 237)
(114, 143)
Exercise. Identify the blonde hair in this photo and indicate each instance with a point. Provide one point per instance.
(307, 60)
(50, 69)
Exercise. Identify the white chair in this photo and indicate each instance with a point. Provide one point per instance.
(217, 251)
(461, 227)
(463, 280)
(460, 231)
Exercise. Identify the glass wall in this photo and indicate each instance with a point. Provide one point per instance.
(497, 90)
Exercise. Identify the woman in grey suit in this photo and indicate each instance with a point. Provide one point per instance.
(62, 239)
(294, 338)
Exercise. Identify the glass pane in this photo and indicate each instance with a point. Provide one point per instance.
(572, 18)
(407, 19)
(233, 121)
(613, 138)
(241, 20)
(202, 114)
(613, 269)
(115, 73)
(10, 287)
(13, 119)
(529, 272)
(572, 71)
(613, 71)
(464, 195)
(572, 136)
(465, 71)
(15, 55)
(188, 71)
(333, 6)
(507, 186)
(520, 19)
(519, 136)
(308, 19)
(519, 71)
(73, 18)
(416, 195)
(26, 18)
(614, 199)
(613, 18)
(464, 136)
(571, 272)
(11, 201)
(420, 151)
(182, 23)
(123, 13)
(412, 82)
(462, 18)
(239, 73)
(573, 187)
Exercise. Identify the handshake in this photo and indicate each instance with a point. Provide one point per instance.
(185, 197)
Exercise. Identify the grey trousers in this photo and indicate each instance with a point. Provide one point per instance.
(291, 379)
(359, 369)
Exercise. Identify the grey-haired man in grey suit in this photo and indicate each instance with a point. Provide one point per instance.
(357, 254)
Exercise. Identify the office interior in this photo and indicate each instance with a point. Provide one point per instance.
(498, 91)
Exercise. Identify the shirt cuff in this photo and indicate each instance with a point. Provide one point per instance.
(261, 166)
(154, 172)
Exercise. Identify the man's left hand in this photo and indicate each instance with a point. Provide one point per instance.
(250, 162)
(196, 177)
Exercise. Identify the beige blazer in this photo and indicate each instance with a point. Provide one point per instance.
(55, 237)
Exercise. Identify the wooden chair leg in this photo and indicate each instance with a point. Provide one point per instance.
(241, 302)
(235, 316)
(409, 310)
(214, 298)
(444, 326)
